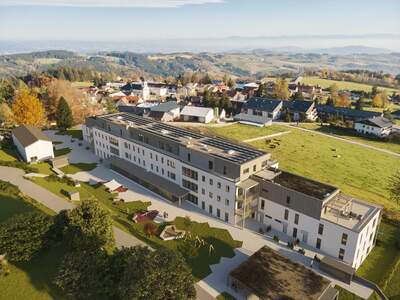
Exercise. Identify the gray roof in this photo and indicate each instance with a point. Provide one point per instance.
(27, 135)
(380, 122)
(262, 104)
(165, 106)
(338, 265)
(195, 111)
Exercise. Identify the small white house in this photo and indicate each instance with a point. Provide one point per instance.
(32, 144)
(197, 114)
(378, 126)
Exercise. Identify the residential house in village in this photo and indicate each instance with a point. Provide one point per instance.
(377, 126)
(259, 111)
(140, 89)
(32, 144)
(197, 114)
(300, 110)
(327, 113)
(165, 112)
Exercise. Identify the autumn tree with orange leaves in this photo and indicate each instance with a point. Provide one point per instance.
(28, 109)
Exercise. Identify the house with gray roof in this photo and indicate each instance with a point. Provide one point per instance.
(378, 126)
(260, 111)
(32, 144)
(165, 112)
(197, 114)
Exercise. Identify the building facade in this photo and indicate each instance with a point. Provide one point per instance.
(233, 183)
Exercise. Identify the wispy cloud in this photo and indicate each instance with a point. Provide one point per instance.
(108, 3)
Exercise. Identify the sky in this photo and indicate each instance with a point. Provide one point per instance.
(122, 20)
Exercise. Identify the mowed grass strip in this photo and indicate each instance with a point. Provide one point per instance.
(78, 167)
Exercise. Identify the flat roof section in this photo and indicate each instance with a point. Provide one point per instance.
(213, 146)
(270, 275)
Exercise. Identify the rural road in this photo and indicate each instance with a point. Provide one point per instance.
(342, 139)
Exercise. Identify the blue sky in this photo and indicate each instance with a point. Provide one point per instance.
(134, 19)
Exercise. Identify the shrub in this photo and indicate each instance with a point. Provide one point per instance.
(150, 229)
(276, 238)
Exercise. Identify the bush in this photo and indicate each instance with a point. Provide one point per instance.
(301, 251)
(276, 238)
(24, 235)
(150, 229)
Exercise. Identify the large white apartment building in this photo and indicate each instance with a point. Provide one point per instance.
(233, 182)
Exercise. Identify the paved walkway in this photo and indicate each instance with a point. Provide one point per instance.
(341, 139)
(266, 137)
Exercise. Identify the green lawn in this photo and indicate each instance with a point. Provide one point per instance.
(343, 85)
(121, 213)
(79, 167)
(43, 168)
(7, 154)
(31, 280)
(241, 132)
(352, 135)
(360, 172)
(382, 260)
(62, 151)
(74, 133)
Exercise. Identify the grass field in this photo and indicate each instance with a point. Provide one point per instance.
(344, 85)
(360, 172)
(32, 280)
(79, 167)
(82, 84)
(352, 135)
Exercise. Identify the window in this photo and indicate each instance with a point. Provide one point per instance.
(190, 185)
(140, 137)
(210, 194)
(127, 146)
(262, 204)
(318, 245)
(227, 202)
(227, 188)
(211, 182)
(268, 216)
(114, 151)
(151, 167)
(156, 157)
(219, 198)
(321, 229)
(219, 185)
(151, 155)
(295, 232)
(210, 209)
(162, 171)
(203, 205)
(203, 191)
(296, 219)
(287, 199)
(203, 178)
(162, 160)
(226, 217)
(344, 239)
(245, 171)
(189, 173)
(218, 213)
(286, 216)
(341, 254)
(254, 168)
(172, 175)
(210, 165)
(224, 171)
(113, 141)
(371, 236)
(188, 157)
(192, 198)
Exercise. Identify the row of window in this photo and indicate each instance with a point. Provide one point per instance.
(218, 212)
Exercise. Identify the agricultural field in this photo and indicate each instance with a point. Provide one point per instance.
(82, 84)
(360, 172)
(344, 85)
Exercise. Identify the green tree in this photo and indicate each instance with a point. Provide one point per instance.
(334, 94)
(110, 106)
(91, 226)
(262, 90)
(394, 187)
(24, 235)
(140, 270)
(207, 79)
(63, 114)
(85, 275)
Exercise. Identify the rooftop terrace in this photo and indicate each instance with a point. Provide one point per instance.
(213, 146)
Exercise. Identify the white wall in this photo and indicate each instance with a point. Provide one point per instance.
(42, 150)
(367, 129)
(331, 237)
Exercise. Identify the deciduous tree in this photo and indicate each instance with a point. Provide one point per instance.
(281, 89)
(27, 109)
(24, 235)
(6, 114)
(394, 187)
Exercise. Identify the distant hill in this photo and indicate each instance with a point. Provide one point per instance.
(256, 63)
